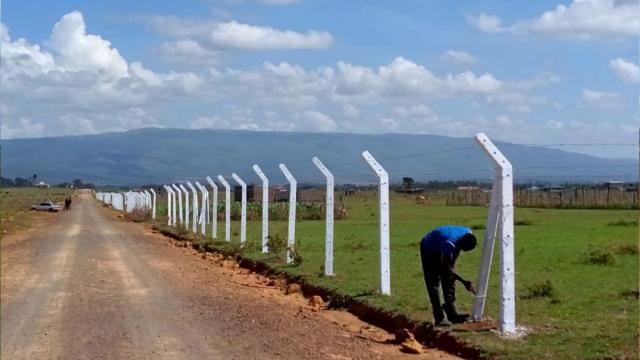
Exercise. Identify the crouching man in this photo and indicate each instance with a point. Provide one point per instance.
(439, 250)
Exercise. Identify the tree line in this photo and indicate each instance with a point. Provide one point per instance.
(21, 182)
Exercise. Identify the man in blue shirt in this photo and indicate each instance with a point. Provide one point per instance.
(439, 250)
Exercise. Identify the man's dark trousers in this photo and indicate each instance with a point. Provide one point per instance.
(435, 273)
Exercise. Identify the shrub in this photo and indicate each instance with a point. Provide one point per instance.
(600, 257)
(632, 294)
(182, 232)
(276, 242)
(523, 222)
(627, 249)
(623, 223)
(140, 214)
(296, 257)
(540, 289)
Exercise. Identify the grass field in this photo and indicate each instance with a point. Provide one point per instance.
(15, 205)
(576, 272)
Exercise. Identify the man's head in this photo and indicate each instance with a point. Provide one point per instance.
(467, 242)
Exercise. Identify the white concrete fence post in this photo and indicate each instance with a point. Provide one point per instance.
(180, 212)
(214, 208)
(204, 211)
(291, 235)
(194, 224)
(265, 207)
(153, 208)
(328, 247)
(168, 191)
(243, 208)
(385, 262)
(172, 197)
(149, 201)
(227, 208)
(187, 211)
(500, 220)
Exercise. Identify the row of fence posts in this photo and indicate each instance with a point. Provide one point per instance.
(177, 192)
(499, 220)
(130, 201)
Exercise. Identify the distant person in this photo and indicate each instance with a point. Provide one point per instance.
(67, 203)
(439, 250)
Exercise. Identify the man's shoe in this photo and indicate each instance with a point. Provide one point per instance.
(459, 318)
(453, 315)
(443, 323)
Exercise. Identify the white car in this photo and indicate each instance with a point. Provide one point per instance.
(47, 206)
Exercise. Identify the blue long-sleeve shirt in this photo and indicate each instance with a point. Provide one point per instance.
(443, 240)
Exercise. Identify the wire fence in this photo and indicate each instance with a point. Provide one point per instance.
(576, 198)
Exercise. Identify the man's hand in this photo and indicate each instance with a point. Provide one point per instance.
(467, 284)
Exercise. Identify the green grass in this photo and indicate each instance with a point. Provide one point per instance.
(576, 302)
(15, 205)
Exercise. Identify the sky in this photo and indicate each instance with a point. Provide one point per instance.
(534, 72)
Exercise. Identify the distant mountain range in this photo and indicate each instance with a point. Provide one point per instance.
(163, 155)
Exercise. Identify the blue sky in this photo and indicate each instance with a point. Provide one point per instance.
(522, 71)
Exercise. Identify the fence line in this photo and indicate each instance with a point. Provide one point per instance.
(579, 198)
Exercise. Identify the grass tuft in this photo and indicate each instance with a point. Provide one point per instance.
(630, 294)
(477, 227)
(600, 257)
(623, 223)
(627, 249)
(540, 289)
(523, 222)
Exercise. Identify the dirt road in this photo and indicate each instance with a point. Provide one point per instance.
(90, 285)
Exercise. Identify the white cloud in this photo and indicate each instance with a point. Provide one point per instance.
(76, 50)
(91, 96)
(458, 57)
(22, 128)
(413, 111)
(554, 124)
(599, 99)
(79, 83)
(233, 117)
(503, 120)
(627, 71)
(389, 123)
(350, 112)
(236, 35)
(486, 23)
(188, 51)
(315, 120)
(402, 77)
(582, 19)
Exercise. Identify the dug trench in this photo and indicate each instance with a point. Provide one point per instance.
(392, 322)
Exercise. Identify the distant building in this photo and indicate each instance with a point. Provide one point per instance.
(615, 185)
(467, 188)
(41, 185)
(410, 191)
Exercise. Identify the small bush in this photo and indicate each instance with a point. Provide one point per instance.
(182, 232)
(627, 249)
(140, 214)
(353, 243)
(523, 222)
(235, 249)
(540, 289)
(296, 257)
(276, 242)
(631, 294)
(477, 227)
(600, 257)
(623, 223)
